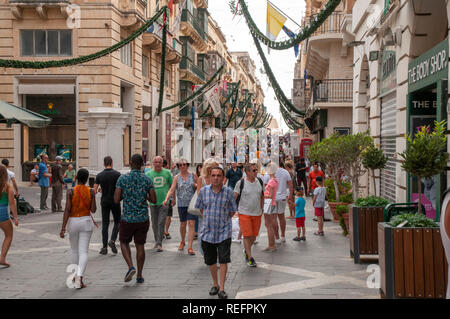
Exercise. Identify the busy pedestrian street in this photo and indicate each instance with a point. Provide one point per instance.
(319, 268)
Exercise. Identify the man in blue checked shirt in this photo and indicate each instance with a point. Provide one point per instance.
(217, 205)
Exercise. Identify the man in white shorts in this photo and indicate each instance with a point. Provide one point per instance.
(284, 182)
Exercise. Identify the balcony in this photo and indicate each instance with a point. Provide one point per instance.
(190, 72)
(153, 39)
(190, 27)
(331, 26)
(41, 7)
(333, 91)
(134, 12)
(201, 4)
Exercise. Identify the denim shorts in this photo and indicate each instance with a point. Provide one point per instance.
(4, 213)
(184, 215)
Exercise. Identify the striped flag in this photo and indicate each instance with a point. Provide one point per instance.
(291, 35)
(275, 22)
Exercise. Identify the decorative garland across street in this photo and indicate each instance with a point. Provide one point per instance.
(304, 34)
(82, 59)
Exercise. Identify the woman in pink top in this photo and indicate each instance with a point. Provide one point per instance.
(270, 216)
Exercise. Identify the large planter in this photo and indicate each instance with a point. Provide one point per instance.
(333, 206)
(345, 216)
(412, 262)
(363, 231)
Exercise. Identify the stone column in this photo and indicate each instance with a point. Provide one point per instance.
(106, 129)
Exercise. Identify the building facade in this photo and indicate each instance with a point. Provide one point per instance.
(400, 83)
(323, 79)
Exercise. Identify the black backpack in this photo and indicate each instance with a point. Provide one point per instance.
(241, 187)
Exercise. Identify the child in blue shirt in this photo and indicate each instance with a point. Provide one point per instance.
(300, 203)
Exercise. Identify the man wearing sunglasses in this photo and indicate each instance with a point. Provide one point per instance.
(249, 193)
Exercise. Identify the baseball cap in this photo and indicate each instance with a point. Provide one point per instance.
(58, 158)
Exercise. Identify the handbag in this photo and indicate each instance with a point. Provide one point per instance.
(191, 209)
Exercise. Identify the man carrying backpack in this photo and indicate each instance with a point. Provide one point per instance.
(249, 193)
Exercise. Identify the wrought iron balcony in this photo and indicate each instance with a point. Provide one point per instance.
(331, 90)
(153, 39)
(186, 16)
(190, 72)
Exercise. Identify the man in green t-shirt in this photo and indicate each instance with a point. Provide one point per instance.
(162, 180)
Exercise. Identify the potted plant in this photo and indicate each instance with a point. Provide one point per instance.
(426, 155)
(346, 197)
(365, 215)
(372, 159)
(412, 260)
(411, 255)
(342, 212)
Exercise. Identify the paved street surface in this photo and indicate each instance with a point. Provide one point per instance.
(319, 268)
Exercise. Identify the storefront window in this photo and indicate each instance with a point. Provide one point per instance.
(59, 138)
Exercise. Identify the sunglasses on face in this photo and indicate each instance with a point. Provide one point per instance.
(254, 171)
(183, 164)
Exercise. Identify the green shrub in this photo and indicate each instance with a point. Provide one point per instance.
(344, 190)
(414, 220)
(347, 198)
(342, 209)
(371, 201)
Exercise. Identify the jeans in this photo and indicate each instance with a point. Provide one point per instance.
(107, 207)
(80, 232)
(44, 195)
(158, 215)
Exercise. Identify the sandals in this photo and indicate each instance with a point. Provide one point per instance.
(269, 249)
(319, 233)
(191, 252)
(182, 244)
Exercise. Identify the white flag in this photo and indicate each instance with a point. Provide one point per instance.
(212, 96)
(177, 21)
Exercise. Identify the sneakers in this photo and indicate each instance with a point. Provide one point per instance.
(140, 280)
(303, 238)
(278, 241)
(167, 235)
(283, 239)
(103, 251)
(297, 238)
(252, 262)
(112, 245)
(130, 274)
(214, 291)
(319, 233)
(223, 295)
(245, 254)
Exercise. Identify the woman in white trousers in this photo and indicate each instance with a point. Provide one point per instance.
(80, 203)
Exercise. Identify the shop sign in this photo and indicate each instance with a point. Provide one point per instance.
(429, 67)
(50, 110)
(388, 72)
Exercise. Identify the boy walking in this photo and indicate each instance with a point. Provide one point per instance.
(319, 204)
(300, 203)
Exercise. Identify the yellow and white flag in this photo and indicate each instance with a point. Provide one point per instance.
(275, 22)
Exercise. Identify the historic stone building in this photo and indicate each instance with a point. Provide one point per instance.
(400, 83)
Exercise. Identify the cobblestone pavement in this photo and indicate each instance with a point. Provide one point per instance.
(316, 269)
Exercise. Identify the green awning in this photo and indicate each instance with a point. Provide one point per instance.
(11, 114)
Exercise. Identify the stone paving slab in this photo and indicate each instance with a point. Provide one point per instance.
(319, 268)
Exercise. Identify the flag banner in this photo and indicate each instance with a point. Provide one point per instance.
(177, 21)
(275, 22)
(291, 35)
(212, 96)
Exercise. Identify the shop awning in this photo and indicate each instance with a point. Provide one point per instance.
(11, 114)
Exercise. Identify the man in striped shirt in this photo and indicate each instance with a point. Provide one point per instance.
(217, 205)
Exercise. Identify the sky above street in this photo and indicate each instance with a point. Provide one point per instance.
(239, 38)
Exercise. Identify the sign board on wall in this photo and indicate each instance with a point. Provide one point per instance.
(429, 67)
(388, 72)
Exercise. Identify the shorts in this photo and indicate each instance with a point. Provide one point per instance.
(300, 222)
(318, 211)
(268, 208)
(249, 225)
(184, 215)
(280, 206)
(137, 230)
(4, 213)
(211, 251)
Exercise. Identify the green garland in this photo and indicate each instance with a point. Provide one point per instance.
(200, 90)
(243, 117)
(273, 81)
(233, 115)
(163, 64)
(82, 59)
(304, 34)
(256, 118)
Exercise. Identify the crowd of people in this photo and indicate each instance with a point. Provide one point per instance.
(206, 202)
